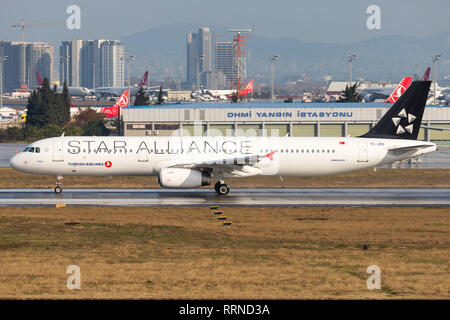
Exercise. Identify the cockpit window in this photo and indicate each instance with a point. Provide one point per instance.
(38, 149)
(31, 149)
(26, 149)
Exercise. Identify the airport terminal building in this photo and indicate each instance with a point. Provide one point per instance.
(265, 118)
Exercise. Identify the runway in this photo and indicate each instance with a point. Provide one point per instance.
(237, 197)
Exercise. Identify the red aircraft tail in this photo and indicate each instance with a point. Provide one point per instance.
(39, 78)
(247, 89)
(426, 75)
(113, 111)
(144, 80)
(398, 91)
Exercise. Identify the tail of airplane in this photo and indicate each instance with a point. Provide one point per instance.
(39, 78)
(403, 119)
(113, 111)
(144, 80)
(398, 91)
(247, 89)
(426, 75)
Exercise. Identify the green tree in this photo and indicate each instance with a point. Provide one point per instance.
(160, 96)
(141, 98)
(350, 94)
(73, 130)
(95, 128)
(52, 130)
(86, 116)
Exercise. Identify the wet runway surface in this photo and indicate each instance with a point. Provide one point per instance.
(237, 197)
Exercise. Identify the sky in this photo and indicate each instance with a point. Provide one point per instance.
(330, 21)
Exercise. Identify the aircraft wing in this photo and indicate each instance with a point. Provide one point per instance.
(236, 166)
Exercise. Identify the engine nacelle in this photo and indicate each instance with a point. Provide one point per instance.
(369, 97)
(183, 178)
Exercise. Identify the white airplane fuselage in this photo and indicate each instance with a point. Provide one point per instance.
(282, 156)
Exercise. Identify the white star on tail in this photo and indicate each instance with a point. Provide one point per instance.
(403, 114)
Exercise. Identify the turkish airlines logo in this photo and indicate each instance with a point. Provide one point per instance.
(398, 92)
(108, 164)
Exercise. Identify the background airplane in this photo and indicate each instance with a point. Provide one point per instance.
(113, 111)
(390, 94)
(117, 91)
(73, 91)
(226, 94)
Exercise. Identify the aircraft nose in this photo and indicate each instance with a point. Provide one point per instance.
(16, 163)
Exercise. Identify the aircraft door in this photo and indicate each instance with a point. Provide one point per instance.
(363, 154)
(57, 151)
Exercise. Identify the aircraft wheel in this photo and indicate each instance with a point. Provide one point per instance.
(223, 189)
(58, 190)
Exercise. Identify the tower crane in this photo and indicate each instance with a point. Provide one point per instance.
(22, 26)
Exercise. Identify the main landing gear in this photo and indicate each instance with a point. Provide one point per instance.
(221, 188)
(58, 188)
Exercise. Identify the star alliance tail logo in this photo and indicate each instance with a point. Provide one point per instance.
(410, 118)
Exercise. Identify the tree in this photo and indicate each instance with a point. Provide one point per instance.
(350, 94)
(141, 98)
(96, 128)
(46, 106)
(52, 130)
(160, 96)
(86, 116)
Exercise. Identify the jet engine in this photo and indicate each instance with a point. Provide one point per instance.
(183, 178)
(369, 97)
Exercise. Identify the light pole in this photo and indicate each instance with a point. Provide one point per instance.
(434, 58)
(272, 66)
(350, 59)
(128, 59)
(198, 59)
(65, 64)
(2, 59)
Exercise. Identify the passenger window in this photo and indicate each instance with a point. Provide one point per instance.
(312, 151)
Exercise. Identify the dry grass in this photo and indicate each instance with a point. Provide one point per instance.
(382, 178)
(272, 253)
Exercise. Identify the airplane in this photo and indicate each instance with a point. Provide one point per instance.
(390, 94)
(73, 91)
(189, 162)
(226, 94)
(113, 111)
(117, 91)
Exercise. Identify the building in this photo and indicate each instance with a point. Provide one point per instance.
(271, 119)
(92, 63)
(224, 62)
(24, 60)
(112, 64)
(70, 62)
(198, 44)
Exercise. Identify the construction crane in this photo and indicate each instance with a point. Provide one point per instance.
(239, 56)
(22, 26)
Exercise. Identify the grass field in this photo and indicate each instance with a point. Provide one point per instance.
(271, 253)
(381, 178)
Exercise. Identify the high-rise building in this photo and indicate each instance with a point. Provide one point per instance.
(112, 52)
(70, 62)
(191, 53)
(225, 63)
(198, 44)
(24, 60)
(92, 63)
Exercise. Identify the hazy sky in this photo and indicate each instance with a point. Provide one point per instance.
(314, 21)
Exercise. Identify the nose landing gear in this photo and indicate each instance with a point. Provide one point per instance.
(221, 188)
(58, 188)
